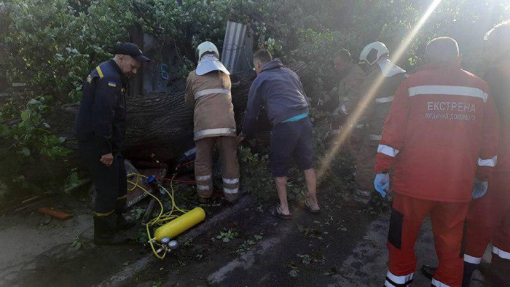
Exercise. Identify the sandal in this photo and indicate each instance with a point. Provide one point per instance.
(280, 214)
(310, 209)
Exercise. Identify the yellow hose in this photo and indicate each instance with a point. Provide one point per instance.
(162, 217)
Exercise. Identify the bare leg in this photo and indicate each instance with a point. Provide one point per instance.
(311, 183)
(281, 186)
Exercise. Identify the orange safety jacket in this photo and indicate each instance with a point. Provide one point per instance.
(441, 132)
(210, 97)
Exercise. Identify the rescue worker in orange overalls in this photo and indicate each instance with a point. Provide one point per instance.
(489, 216)
(374, 100)
(441, 137)
(496, 205)
(208, 92)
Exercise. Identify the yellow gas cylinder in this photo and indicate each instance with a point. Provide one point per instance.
(180, 224)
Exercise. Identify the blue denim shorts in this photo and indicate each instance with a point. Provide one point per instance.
(291, 140)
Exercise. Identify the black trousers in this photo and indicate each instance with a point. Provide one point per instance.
(110, 181)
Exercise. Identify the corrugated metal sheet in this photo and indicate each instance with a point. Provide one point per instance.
(233, 45)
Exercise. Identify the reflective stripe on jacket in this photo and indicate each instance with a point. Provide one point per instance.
(441, 132)
(388, 76)
(211, 99)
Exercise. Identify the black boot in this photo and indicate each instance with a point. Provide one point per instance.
(469, 268)
(122, 223)
(104, 231)
(499, 274)
(428, 271)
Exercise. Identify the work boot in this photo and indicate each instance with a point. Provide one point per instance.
(469, 268)
(104, 231)
(428, 271)
(499, 274)
(379, 204)
(204, 200)
(122, 222)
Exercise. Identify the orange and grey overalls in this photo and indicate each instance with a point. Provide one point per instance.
(373, 116)
(214, 125)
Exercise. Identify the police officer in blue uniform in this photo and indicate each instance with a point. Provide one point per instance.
(100, 129)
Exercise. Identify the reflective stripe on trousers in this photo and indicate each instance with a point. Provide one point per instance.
(471, 259)
(230, 180)
(437, 283)
(231, 185)
(398, 281)
(501, 253)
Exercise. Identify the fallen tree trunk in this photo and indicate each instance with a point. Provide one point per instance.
(159, 125)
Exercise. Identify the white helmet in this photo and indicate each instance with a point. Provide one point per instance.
(207, 47)
(373, 52)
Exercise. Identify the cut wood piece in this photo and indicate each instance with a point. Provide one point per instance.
(55, 213)
(33, 205)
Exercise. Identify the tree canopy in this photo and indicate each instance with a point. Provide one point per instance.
(51, 45)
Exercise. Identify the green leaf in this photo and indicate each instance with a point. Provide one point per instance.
(25, 151)
(62, 139)
(25, 115)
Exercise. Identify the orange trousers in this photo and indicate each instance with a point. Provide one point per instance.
(488, 220)
(447, 219)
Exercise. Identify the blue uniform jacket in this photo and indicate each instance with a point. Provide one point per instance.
(101, 119)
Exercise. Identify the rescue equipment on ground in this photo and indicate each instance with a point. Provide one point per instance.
(171, 223)
(180, 224)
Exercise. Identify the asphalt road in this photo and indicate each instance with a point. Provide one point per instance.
(241, 245)
(340, 247)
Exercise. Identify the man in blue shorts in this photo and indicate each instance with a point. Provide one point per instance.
(280, 91)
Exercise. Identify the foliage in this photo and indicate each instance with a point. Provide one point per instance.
(310, 32)
(227, 234)
(256, 178)
(26, 144)
(77, 243)
(249, 243)
(52, 45)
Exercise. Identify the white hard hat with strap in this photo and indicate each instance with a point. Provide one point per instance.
(373, 52)
(208, 59)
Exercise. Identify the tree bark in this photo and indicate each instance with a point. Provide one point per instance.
(159, 125)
